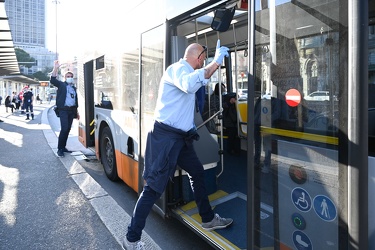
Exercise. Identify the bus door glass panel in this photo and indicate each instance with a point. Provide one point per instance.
(371, 124)
(130, 92)
(152, 67)
(105, 82)
(240, 86)
(298, 77)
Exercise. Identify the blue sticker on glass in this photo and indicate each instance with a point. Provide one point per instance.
(301, 199)
(302, 241)
(325, 208)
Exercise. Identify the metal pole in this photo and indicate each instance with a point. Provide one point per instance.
(251, 185)
(357, 125)
(56, 2)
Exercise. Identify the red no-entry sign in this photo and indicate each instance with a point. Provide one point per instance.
(293, 97)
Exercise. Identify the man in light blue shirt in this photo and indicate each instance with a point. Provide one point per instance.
(170, 143)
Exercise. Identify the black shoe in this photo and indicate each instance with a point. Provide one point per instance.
(60, 153)
(1, 121)
(27, 118)
(65, 150)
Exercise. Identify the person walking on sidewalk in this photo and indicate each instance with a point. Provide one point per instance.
(67, 104)
(28, 99)
(171, 141)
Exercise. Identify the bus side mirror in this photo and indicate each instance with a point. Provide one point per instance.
(222, 19)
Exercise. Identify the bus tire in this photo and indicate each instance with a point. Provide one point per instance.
(107, 154)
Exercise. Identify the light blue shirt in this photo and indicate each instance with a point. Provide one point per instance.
(176, 99)
(70, 96)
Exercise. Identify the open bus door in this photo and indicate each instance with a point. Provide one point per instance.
(86, 124)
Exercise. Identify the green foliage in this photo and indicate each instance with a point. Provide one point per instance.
(40, 76)
(24, 58)
(43, 75)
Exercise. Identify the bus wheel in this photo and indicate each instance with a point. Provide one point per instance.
(107, 155)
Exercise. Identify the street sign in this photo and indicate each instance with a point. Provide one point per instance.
(293, 97)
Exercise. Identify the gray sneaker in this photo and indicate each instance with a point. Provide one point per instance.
(217, 223)
(138, 245)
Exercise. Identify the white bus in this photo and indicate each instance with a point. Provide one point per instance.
(320, 155)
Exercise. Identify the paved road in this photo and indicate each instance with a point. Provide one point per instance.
(41, 206)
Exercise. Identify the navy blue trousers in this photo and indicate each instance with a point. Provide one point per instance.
(66, 120)
(188, 161)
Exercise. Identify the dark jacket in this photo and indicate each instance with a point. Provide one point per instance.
(61, 92)
(229, 111)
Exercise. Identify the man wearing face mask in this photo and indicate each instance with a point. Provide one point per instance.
(67, 104)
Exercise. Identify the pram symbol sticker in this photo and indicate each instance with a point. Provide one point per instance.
(302, 241)
(301, 199)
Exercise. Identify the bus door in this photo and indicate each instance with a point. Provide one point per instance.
(305, 125)
(152, 63)
(86, 133)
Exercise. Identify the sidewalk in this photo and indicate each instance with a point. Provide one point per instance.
(44, 205)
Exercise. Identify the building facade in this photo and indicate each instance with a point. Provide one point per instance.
(28, 27)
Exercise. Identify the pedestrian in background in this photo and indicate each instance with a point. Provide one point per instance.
(67, 104)
(170, 143)
(38, 99)
(28, 99)
(9, 104)
(18, 101)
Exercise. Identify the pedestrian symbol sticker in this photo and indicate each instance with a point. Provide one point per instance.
(325, 208)
(301, 199)
(302, 241)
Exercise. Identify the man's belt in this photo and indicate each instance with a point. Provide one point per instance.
(68, 108)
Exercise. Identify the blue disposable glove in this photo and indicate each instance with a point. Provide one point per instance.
(220, 53)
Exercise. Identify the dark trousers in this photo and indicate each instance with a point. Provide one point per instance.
(66, 120)
(29, 110)
(188, 161)
(11, 106)
(234, 142)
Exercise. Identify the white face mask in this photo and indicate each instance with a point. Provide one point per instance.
(69, 80)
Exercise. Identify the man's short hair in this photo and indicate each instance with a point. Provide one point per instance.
(69, 72)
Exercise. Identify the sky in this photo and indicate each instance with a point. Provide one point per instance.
(81, 24)
(87, 24)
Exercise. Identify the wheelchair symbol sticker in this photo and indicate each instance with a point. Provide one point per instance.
(301, 199)
(325, 208)
(302, 241)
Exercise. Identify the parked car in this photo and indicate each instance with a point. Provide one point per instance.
(318, 96)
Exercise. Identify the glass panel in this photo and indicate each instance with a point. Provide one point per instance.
(130, 79)
(371, 81)
(299, 45)
(152, 66)
(371, 123)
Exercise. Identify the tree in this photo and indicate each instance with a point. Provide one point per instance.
(24, 58)
(43, 75)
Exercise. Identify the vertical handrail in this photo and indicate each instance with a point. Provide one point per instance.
(221, 120)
